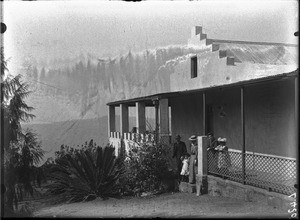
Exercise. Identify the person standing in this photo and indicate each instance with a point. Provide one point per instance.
(185, 168)
(212, 153)
(224, 161)
(179, 150)
(193, 159)
(212, 142)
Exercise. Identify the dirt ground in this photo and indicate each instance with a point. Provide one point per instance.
(176, 205)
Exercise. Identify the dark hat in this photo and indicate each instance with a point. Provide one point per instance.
(177, 136)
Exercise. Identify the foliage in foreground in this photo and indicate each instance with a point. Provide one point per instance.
(20, 162)
(65, 149)
(147, 169)
(84, 175)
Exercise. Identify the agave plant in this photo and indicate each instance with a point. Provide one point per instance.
(85, 175)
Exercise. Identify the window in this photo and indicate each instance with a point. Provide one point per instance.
(194, 67)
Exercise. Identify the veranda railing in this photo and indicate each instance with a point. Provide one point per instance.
(270, 172)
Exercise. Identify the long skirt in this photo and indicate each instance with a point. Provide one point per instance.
(192, 169)
(224, 162)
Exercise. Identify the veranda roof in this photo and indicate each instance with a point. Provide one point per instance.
(148, 100)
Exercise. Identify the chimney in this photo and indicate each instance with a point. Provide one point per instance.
(196, 30)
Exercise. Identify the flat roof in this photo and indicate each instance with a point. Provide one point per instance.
(253, 42)
(148, 100)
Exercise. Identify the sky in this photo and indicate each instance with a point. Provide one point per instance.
(48, 29)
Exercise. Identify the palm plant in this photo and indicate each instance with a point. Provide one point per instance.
(21, 159)
(31, 154)
(85, 175)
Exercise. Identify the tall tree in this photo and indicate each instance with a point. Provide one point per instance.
(18, 110)
(22, 150)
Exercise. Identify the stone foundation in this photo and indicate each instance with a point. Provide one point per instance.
(187, 187)
(226, 188)
(201, 184)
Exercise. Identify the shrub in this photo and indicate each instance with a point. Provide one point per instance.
(84, 175)
(146, 169)
(65, 149)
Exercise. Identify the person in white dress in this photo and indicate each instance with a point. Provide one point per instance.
(185, 168)
(224, 161)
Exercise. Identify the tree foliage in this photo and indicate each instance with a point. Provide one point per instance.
(22, 151)
(21, 159)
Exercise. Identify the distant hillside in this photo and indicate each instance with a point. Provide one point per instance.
(89, 83)
(72, 133)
